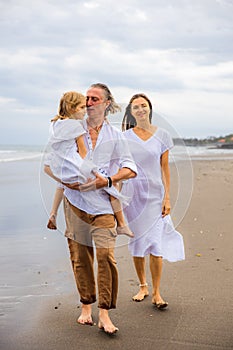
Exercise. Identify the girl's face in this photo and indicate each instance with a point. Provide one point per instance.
(79, 112)
(140, 109)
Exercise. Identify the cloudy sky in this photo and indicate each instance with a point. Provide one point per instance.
(178, 52)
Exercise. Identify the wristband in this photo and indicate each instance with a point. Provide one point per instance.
(109, 181)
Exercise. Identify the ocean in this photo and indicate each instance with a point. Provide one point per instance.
(13, 153)
(29, 252)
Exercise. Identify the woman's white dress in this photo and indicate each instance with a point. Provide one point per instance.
(153, 234)
(65, 162)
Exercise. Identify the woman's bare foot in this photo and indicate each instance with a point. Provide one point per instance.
(143, 292)
(52, 224)
(85, 317)
(124, 230)
(105, 323)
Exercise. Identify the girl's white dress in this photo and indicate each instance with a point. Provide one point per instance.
(65, 161)
(152, 233)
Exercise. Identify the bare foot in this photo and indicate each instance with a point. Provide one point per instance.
(85, 317)
(52, 225)
(158, 301)
(143, 292)
(105, 323)
(124, 230)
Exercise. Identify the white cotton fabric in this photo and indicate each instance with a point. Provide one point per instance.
(63, 159)
(111, 153)
(153, 234)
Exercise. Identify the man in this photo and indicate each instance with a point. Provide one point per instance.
(87, 222)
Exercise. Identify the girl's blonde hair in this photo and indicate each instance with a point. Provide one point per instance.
(70, 100)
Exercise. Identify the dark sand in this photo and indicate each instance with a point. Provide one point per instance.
(199, 289)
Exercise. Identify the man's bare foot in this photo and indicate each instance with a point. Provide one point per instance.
(105, 323)
(124, 230)
(143, 292)
(85, 317)
(158, 301)
(52, 225)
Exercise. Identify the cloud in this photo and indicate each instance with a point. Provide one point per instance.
(178, 52)
(91, 4)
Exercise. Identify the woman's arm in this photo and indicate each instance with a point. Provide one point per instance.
(166, 206)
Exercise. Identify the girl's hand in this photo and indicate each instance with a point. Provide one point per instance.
(166, 207)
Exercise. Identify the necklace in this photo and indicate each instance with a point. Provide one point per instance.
(92, 136)
(96, 128)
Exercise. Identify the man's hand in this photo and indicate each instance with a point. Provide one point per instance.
(90, 185)
(94, 184)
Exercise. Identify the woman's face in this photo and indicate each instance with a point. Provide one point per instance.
(140, 109)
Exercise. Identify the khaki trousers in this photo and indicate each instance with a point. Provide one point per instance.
(82, 229)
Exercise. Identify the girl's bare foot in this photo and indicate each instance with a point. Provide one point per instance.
(124, 230)
(52, 224)
(105, 322)
(143, 292)
(85, 317)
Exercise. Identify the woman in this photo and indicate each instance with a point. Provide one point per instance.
(148, 212)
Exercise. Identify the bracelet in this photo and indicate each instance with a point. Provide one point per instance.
(109, 181)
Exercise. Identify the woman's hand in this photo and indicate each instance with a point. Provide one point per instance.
(166, 207)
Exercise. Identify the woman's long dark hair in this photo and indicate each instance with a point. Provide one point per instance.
(129, 121)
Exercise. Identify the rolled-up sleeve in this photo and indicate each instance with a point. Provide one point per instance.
(123, 154)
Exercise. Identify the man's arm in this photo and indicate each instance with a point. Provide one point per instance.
(123, 174)
(101, 182)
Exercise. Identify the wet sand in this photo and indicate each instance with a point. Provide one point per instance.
(199, 289)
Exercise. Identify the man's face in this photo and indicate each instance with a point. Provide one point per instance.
(96, 103)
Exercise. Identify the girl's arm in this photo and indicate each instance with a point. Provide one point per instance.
(164, 161)
(81, 146)
(48, 171)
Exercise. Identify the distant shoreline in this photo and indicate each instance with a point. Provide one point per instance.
(225, 142)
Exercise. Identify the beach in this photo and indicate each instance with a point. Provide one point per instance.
(39, 301)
